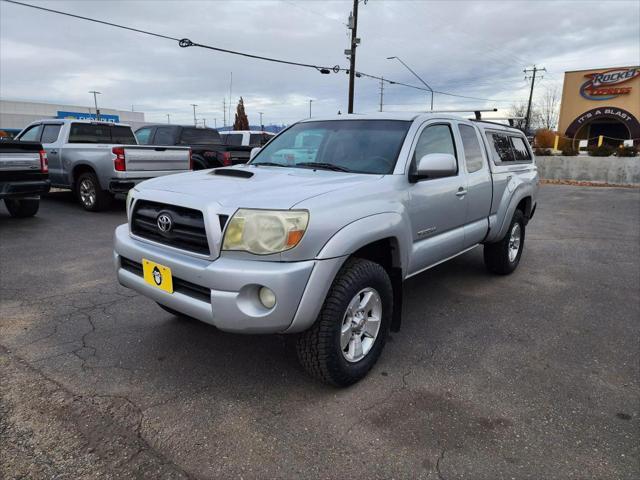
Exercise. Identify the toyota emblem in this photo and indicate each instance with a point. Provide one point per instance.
(164, 222)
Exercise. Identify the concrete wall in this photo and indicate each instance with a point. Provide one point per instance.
(17, 114)
(617, 170)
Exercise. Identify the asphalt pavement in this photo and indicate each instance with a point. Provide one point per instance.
(534, 375)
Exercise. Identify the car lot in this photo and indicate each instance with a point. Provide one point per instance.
(534, 375)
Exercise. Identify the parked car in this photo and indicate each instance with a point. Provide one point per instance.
(247, 138)
(99, 159)
(24, 176)
(318, 244)
(209, 150)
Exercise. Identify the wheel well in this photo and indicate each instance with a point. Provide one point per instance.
(386, 253)
(79, 170)
(525, 207)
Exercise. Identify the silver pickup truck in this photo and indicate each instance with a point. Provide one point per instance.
(99, 159)
(315, 235)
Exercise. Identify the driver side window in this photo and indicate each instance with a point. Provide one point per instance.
(434, 139)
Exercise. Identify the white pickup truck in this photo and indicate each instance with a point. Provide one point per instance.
(99, 159)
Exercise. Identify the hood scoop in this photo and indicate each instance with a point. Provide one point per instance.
(232, 172)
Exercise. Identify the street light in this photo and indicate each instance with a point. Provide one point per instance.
(261, 124)
(310, 101)
(95, 101)
(416, 75)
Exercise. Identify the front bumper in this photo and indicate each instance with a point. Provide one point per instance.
(23, 188)
(232, 304)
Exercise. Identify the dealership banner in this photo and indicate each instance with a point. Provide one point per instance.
(89, 116)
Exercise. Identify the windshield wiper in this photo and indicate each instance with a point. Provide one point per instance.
(326, 166)
(269, 164)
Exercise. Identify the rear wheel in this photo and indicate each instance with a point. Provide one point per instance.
(351, 330)
(90, 195)
(503, 257)
(22, 207)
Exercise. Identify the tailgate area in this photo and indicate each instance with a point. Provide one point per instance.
(147, 159)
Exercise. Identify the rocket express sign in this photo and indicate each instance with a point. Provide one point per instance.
(604, 85)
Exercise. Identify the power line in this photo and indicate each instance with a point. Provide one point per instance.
(185, 42)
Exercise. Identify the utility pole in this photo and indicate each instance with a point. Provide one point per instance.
(310, 101)
(215, 123)
(95, 101)
(533, 71)
(195, 122)
(224, 112)
(381, 91)
(168, 118)
(261, 124)
(353, 25)
(230, 92)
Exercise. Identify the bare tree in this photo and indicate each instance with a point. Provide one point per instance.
(548, 108)
(241, 122)
(517, 113)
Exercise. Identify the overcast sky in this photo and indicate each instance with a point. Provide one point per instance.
(477, 49)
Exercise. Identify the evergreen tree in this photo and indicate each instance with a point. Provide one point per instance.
(242, 121)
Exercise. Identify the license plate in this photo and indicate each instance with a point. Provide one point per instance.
(157, 275)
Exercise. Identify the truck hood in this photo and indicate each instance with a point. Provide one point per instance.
(267, 187)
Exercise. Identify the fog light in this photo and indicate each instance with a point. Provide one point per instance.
(267, 297)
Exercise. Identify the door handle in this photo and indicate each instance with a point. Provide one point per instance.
(461, 192)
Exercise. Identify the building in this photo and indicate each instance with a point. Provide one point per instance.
(16, 114)
(603, 102)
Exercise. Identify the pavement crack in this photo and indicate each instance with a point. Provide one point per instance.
(438, 462)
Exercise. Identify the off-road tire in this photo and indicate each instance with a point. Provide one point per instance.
(496, 255)
(318, 349)
(103, 198)
(22, 207)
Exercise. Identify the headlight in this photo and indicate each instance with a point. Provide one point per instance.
(265, 231)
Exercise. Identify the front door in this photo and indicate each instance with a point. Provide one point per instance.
(437, 207)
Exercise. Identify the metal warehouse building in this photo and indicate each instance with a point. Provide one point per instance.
(18, 114)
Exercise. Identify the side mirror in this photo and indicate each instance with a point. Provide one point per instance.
(435, 165)
(254, 152)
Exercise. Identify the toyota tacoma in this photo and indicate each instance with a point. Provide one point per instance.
(316, 234)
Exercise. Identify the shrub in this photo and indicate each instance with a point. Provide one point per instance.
(569, 151)
(544, 138)
(603, 150)
(542, 151)
(627, 152)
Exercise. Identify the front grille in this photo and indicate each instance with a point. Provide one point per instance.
(187, 232)
(179, 285)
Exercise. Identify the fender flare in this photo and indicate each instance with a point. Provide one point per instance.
(498, 232)
(366, 230)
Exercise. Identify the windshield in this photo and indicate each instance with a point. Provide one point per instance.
(360, 146)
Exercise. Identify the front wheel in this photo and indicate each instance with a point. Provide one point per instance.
(351, 330)
(504, 256)
(22, 207)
